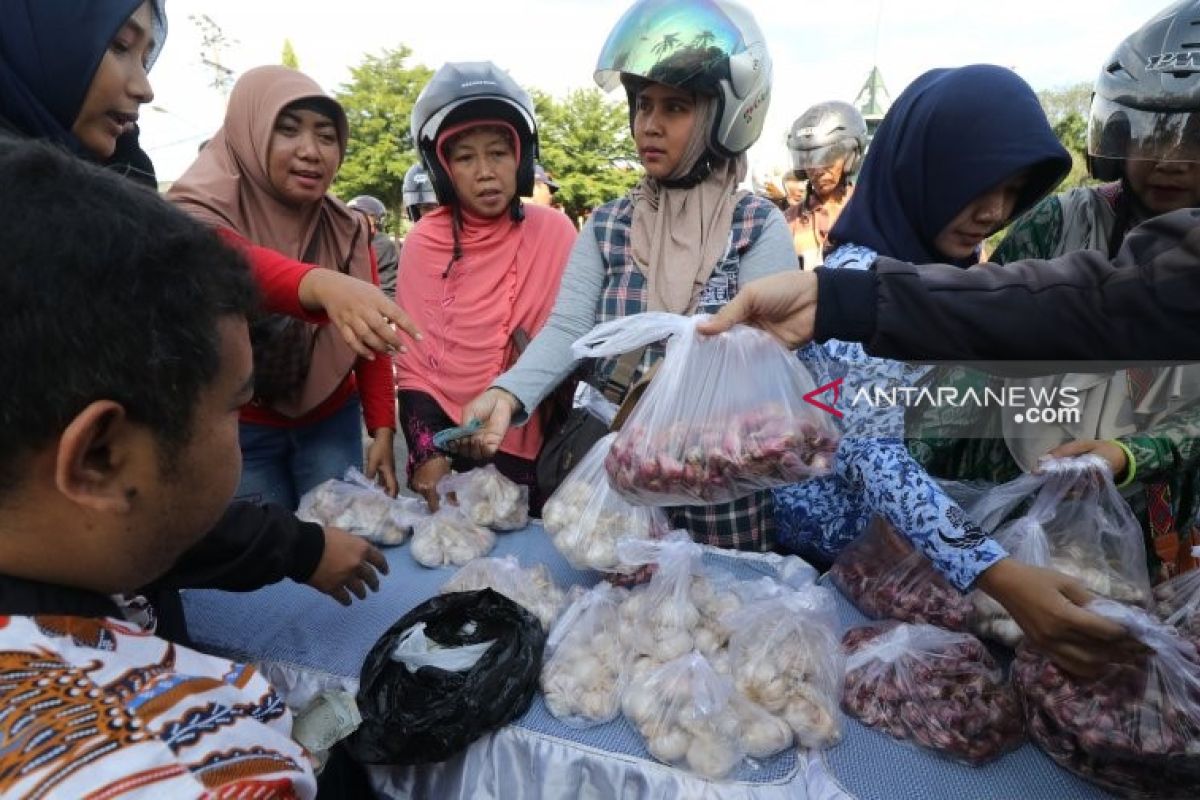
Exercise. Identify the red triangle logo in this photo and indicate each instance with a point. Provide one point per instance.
(836, 386)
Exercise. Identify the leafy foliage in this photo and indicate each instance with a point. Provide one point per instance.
(586, 146)
(378, 102)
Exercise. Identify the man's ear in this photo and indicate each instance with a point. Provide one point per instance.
(93, 452)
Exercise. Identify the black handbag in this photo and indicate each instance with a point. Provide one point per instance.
(581, 429)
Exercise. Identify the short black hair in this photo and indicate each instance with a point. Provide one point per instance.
(109, 293)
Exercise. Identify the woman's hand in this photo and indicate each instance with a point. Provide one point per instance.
(494, 409)
(784, 305)
(1047, 605)
(425, 479)
(1112, 454)
(381, 460)
(348, 564)
(361, 311)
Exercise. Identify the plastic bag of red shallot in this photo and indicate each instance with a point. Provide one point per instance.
(1134, 730)
(1092, 534)
(887, 578)
(936, 688)
(1178, 600)
(724, 417)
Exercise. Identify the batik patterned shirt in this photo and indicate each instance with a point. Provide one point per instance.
(99, 708)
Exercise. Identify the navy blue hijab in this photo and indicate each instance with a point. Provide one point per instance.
(49, 53)
(952, 135)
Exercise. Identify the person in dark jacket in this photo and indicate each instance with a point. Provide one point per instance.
(1081, 307)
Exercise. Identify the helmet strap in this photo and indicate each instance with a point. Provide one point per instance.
(696, 175)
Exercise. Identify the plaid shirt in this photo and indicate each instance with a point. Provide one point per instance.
(748, 523)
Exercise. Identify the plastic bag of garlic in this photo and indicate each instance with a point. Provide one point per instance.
(530, 587)
(449, 537)
(691, 717)
(584, 671)
(1069, 517)
(786, 658)
(586, 517)
(487, 498)
(358, 505)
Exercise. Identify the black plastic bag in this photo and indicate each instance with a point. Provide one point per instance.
(429, 715)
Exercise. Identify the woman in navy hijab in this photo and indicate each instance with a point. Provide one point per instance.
(74, 72)
(962, 152)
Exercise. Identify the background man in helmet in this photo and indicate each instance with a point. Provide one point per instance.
(827, 143)
(418, 195)
(382, 243)
(544, 187)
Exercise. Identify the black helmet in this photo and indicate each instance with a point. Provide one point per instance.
(1147, 99)
(463, 91)
(713, 47)
(368, 205)
(826, 132)
(416, 191)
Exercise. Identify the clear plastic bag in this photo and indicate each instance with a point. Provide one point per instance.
(531, 587)
(487, 498)
(684, 711)
(1136, 729)
(583, 675)
(360, 506)
(1024, 540)
(1092, 534)
(787, 660)
(887, 578)
(659, 619)
(586, 517)
(1178, 601)
(723, 418)
(448, 537)
(939, 689)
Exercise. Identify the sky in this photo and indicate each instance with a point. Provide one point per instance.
(820, 51)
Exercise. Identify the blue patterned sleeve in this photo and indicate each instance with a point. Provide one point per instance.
(895, 487)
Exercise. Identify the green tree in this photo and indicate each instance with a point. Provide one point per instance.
(587, 147)
(289, 55)
(1067, 108)
(378, 101)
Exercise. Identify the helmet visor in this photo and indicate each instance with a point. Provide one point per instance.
(1119, 132)
(822, 157)
(669, 42)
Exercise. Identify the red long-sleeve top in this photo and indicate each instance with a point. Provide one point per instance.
(278, 278)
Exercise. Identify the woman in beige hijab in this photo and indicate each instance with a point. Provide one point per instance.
(262, 182)
(698, 81)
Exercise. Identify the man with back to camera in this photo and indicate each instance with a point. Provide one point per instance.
(123, 456)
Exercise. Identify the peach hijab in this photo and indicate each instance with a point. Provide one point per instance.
(228, 186)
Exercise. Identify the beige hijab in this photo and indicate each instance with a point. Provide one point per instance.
(228, 186)
(679, 235)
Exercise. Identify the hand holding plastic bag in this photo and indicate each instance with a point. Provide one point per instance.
(360, 506)
(1092, 534)
(939, 689)
(1136, 729)
(724, 417)
(586, 517)
(487, 498)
